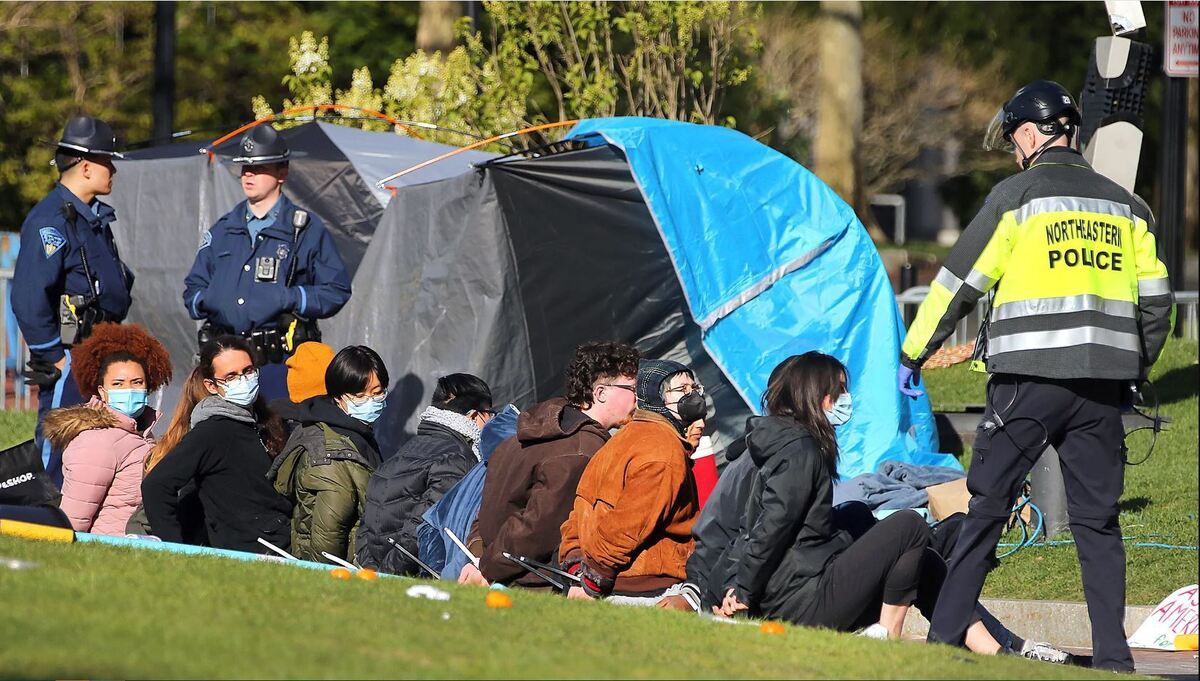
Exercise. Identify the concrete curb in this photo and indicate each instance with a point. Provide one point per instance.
(1061, 623)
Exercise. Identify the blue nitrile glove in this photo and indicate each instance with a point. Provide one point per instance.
(908, 377)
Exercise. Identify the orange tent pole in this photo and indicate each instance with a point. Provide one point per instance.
(475, 145)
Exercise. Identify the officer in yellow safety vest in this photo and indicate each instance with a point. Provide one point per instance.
(1080, 309)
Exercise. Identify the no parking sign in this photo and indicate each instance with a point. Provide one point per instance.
(1181, 43)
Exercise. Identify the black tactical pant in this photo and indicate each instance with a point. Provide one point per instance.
(1082, 419)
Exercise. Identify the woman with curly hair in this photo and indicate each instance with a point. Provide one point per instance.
(106, 441)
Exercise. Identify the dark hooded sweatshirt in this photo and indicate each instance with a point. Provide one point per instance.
(530, 488)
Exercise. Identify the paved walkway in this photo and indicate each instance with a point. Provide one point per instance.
(1161, 663)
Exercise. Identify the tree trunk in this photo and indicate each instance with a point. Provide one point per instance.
(840, 101)
(435, 26)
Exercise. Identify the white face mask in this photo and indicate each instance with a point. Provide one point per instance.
(366, 411)
(242, 390)
(841, 411)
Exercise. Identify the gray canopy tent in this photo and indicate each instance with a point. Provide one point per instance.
(166, 198)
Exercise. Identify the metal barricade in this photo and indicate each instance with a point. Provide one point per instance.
(967, 328)
(15, 394)
(1185, 314)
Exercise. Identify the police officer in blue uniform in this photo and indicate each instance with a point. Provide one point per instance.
(69, 275)
(267, 270)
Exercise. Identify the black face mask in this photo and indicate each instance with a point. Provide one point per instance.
(691, 408)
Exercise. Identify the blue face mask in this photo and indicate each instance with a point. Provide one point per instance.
(242, 390)
(129, 401)
(842, 409)
(366, 411)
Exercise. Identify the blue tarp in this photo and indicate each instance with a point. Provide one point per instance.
(773, 263)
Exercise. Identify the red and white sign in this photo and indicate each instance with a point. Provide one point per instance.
(1181, 44)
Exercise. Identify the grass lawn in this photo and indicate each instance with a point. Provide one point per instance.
(16, 427)
(1159, 505)
(89, 611)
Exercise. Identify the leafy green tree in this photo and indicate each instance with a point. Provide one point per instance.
(540, 61)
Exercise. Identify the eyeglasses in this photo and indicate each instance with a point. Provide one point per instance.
(630, 388)
(687, 389)
(248, 373)
(362, 398)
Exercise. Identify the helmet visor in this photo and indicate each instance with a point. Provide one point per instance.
(995, 138)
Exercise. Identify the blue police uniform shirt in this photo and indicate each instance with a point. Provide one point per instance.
(257, 224)
(225, 285)
(50, 264)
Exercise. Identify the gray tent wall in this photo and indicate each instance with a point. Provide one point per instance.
(163, 207)
(503, 271)
(436, 294)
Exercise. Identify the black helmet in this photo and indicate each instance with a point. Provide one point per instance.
(262, 145)
(87, 136)
(1042, 102)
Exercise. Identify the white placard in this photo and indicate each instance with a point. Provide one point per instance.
(1175, 616)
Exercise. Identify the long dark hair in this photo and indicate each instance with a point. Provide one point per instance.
(270, 425)
(798, 387)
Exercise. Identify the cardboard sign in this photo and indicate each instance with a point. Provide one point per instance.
(1181, 43)
(1176, 616)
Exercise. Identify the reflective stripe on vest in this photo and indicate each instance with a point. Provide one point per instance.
(1080, 335)
(1063, 305)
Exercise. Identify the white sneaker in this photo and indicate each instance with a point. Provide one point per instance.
(876, 631)
(1044, 652)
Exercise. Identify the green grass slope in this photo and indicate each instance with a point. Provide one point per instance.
(1159, 505)
(16, 427)
(89, 611)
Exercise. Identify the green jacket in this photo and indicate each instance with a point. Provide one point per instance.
(325, 477)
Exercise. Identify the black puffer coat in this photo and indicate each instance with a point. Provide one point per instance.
(403, 488)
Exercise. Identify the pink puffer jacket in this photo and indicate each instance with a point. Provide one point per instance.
(103, 451)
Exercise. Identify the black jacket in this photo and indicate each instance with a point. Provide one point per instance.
(229, 465)
(716, 530)
(403, 488)
(788, 533)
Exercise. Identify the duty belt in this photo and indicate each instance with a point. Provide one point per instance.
(274, 344)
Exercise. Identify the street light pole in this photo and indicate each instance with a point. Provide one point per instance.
(164, 71)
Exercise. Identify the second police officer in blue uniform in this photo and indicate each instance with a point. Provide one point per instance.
(69, 275)
(267, 270)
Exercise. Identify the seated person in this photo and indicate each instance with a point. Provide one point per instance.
(629, 532)
(226, 454)
(189, 512)
(330, 457)
(789, 560)
(105, 442)
(531, 478)
(445, 447)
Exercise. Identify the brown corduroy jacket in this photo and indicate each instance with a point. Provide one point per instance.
(634, 508)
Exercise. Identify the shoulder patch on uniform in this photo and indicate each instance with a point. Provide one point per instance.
(52, 240)
(205, 241)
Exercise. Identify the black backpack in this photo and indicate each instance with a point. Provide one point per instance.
(23, 479)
